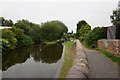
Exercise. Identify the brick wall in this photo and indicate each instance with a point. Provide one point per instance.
(110, 45)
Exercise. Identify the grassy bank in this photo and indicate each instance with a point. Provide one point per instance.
(67, 59)
(111, 56)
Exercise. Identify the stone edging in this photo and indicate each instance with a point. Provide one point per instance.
(80, 68)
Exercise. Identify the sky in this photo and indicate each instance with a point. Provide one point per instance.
(95, 12)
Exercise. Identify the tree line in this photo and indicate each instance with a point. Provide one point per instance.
(24, 32)
(5, 22)
(90, 37)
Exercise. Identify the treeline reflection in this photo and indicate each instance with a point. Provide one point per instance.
(41, 53)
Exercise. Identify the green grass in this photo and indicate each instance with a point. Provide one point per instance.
(67, 59)
(111, 56)
(107, 54)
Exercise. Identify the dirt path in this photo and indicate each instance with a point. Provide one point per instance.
(101, 66)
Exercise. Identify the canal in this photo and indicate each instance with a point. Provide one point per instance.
(37, 61)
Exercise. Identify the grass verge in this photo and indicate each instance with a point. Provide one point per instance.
(67, 63)
(107, 54)
(111, 56)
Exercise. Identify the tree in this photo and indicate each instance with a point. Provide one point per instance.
(30, 29)
(4, 45)
(85, 29)
(21, 37)
(9, 36)
(79, 26)
(5, 22)
(10, 22)
(115, 17)
(53, 30)
(2, 21)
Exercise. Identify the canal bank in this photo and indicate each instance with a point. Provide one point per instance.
(61, 62)
(68, 59)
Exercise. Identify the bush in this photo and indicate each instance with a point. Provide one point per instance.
(92, 37)
(8, 37)
(4, 44)
(22, 38)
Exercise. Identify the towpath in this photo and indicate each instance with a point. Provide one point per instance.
(101, 66)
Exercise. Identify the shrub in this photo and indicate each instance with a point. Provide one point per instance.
(8, 37)
(92, 37)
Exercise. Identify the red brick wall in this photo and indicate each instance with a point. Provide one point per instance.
(110, 45)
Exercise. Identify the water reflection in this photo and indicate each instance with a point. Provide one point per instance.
(41, 53)
(48, 54)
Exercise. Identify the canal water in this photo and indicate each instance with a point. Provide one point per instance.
(38, 61)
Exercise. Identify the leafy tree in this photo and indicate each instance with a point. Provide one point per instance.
(115, 17)
(53, 30)
(84, 31)
(30, 29)
(10, 37)
(10, 22)
(79, 26)
(2, 21)
(5, 22)
(4, 44)
(21, 37)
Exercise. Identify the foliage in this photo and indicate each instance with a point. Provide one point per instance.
(29, 28)
(80, 24)
(8, 37)
(5, 44)
(84, 31)
(53, 30)
(115, 17)
(5, 22)
(94, 35)
(24, 32)
(2, 21)
(21, 37)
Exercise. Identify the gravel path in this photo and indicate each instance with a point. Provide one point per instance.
(101, 66)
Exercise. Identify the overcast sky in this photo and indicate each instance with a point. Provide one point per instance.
(95, 12)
